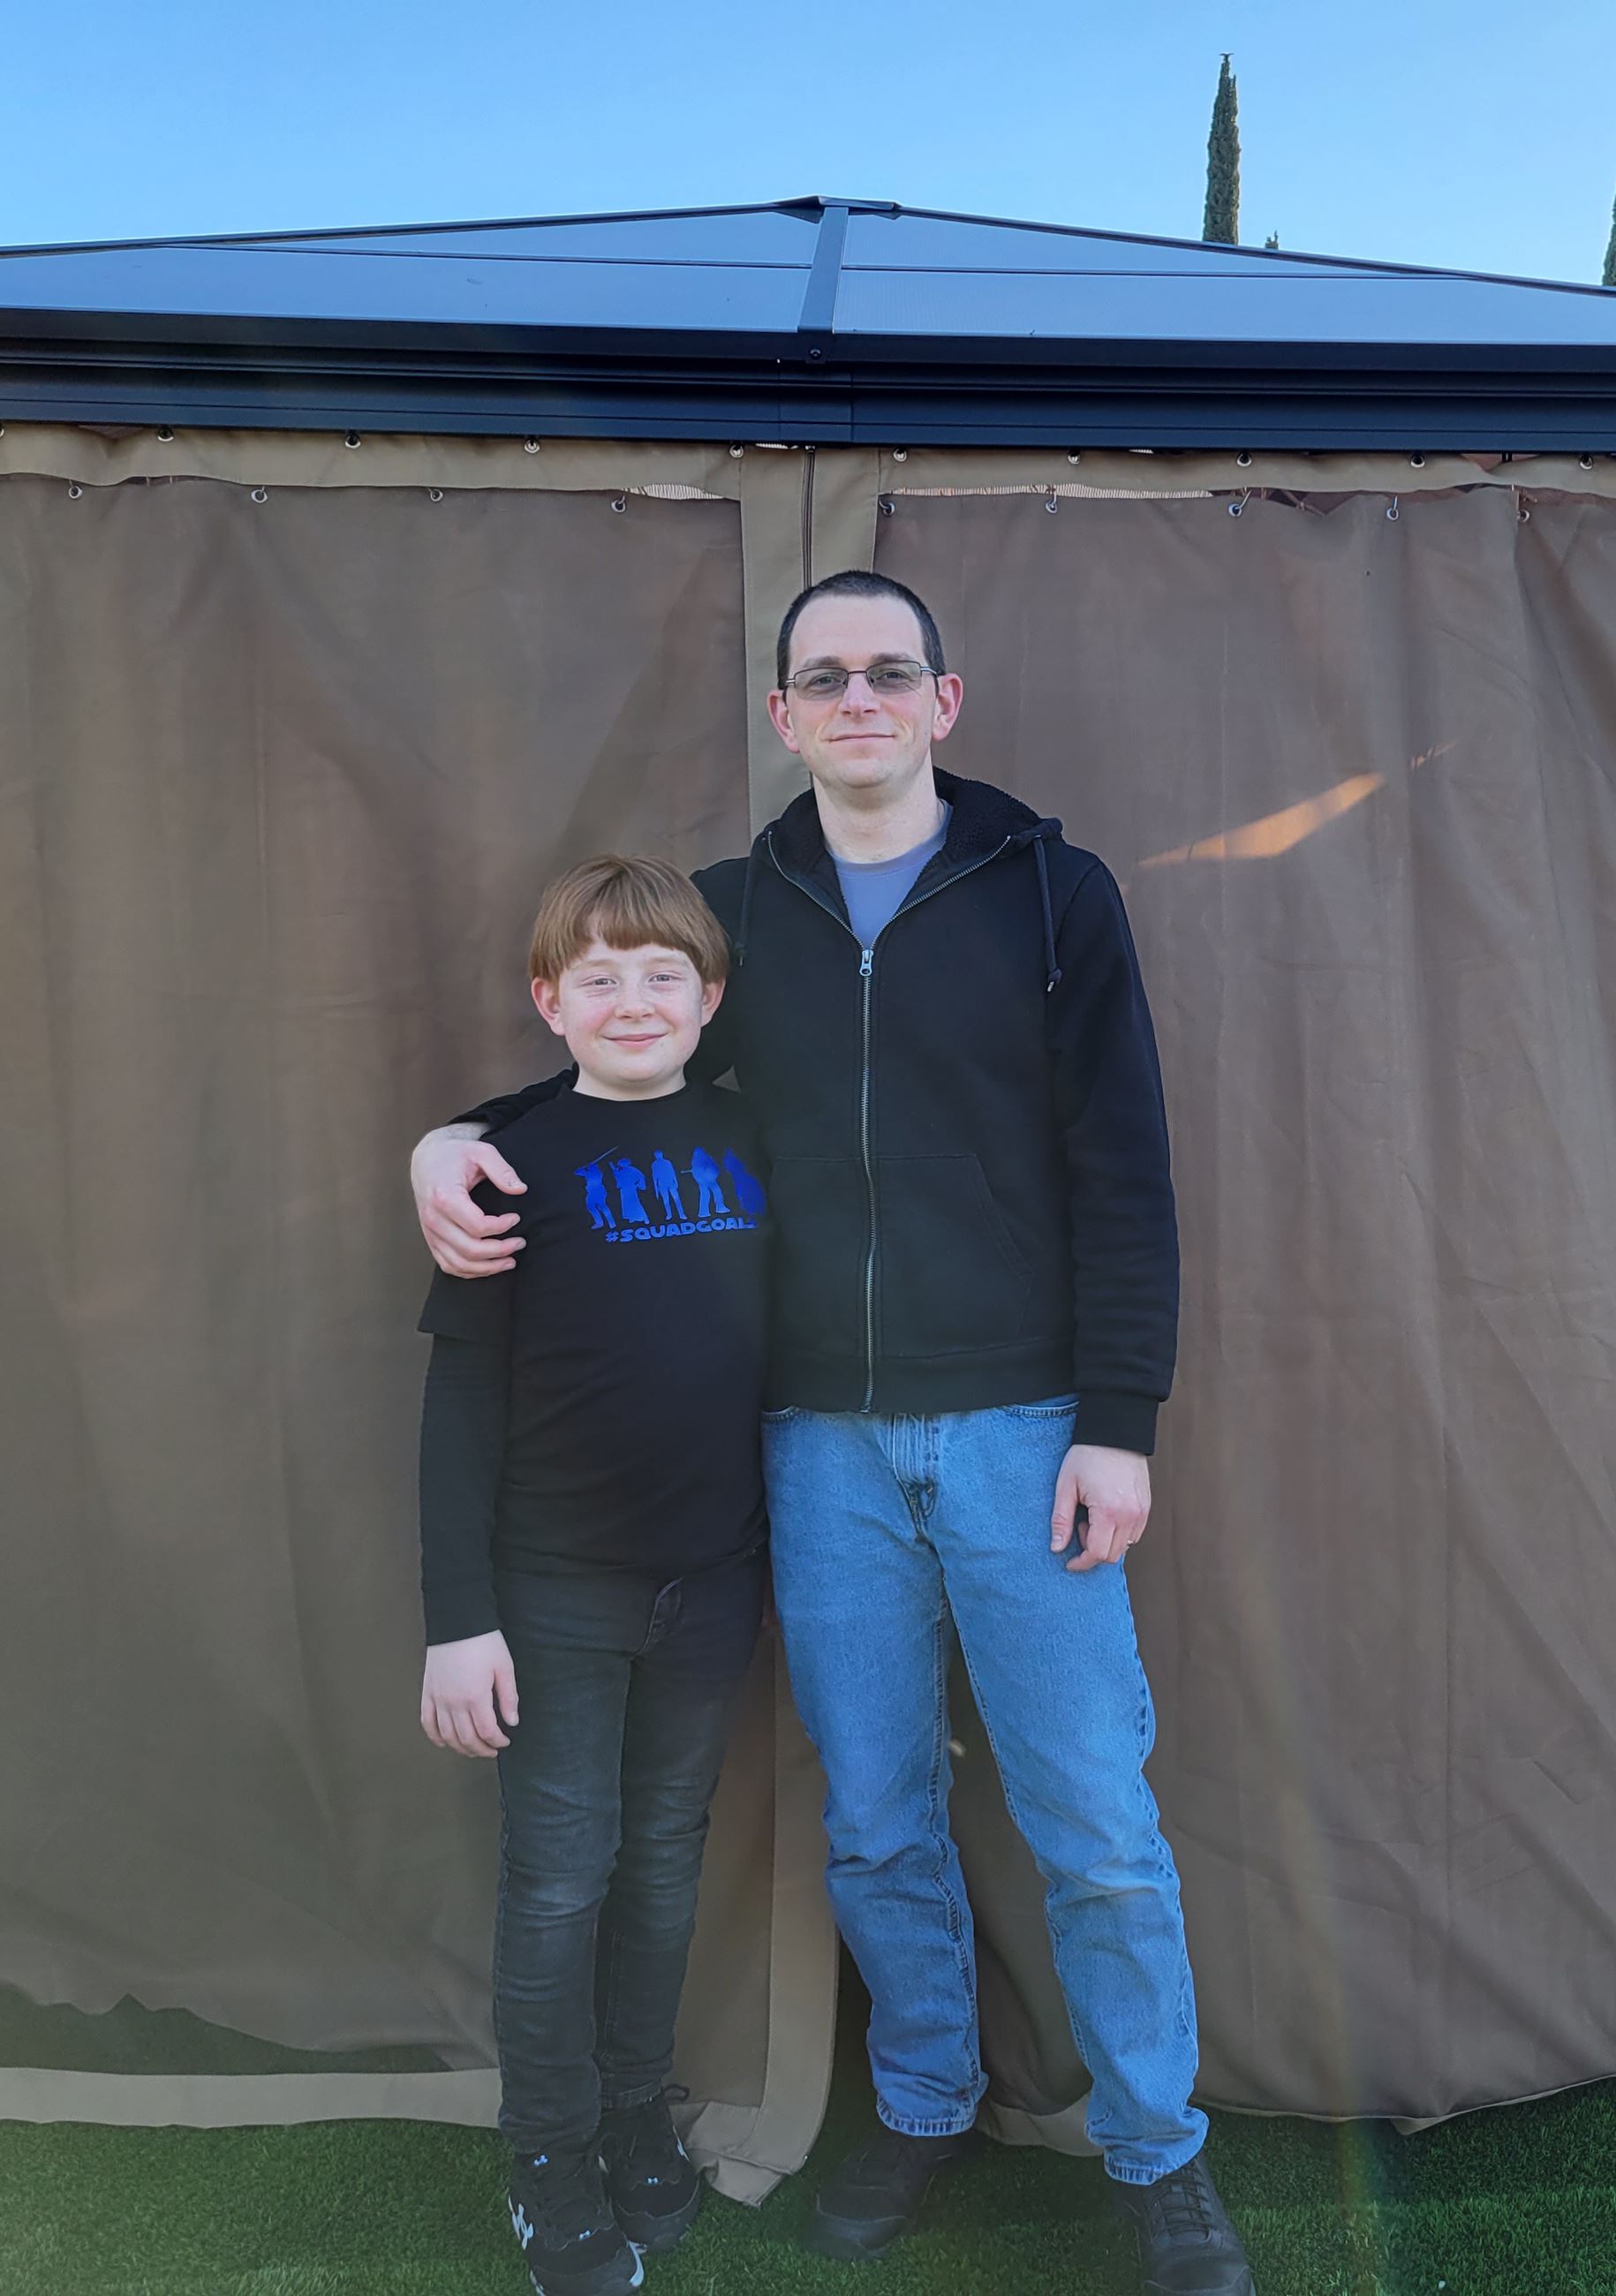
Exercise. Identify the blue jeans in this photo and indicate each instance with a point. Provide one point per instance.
(626, 1688)
(881, 1528)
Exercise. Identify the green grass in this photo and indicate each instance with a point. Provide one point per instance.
(1516, 2202)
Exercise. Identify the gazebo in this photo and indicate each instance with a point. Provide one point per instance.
(352, 581)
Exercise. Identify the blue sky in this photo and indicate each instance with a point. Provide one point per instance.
(1481, 135)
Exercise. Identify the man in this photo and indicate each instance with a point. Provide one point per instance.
(936, 1011)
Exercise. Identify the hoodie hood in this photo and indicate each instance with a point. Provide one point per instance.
(984, 819)
(984, 823)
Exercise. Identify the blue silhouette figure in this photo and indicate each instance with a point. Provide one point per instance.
(749, 1188)
(630, 1180)
(704, 1172)
(594, 1195)
(665, 1180)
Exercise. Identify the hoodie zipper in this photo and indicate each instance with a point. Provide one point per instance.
(866, 975)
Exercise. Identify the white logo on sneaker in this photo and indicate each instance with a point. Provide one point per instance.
(520, 2224)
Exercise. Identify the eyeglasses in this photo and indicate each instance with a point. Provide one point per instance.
(830, 681)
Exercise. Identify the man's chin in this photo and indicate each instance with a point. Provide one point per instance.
(856, 767)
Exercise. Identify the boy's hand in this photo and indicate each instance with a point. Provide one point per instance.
(463, 1240)
(458, 1690)
(1115, 1487)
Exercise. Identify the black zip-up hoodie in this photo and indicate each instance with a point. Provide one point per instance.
(970, 1172)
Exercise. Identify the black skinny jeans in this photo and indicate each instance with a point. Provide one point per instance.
(626, 1689)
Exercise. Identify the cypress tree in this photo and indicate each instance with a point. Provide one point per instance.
(1609, 279)
(1222, 218)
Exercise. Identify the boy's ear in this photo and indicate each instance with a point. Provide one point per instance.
(712, 997)
(549, 1005)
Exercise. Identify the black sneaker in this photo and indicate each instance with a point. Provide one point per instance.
(572, 2243)
(654, 2188)
(1187, 2246)
(874, 2196)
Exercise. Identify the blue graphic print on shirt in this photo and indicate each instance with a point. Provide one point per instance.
(630, 1180)
(594, 1195)
(749, 1188)
(713, 1212)
(665, 1180)
(704, 1172)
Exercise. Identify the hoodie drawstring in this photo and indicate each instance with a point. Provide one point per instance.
(1050, 965)
(746, 907)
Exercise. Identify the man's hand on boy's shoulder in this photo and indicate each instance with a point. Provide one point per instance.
(463, 1237)
(459, 1691)
(463, 1240)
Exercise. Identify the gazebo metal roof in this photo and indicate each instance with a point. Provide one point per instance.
(829, 320)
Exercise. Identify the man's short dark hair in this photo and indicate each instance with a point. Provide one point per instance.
(855, 584)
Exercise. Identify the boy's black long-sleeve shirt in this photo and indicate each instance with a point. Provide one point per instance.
(964, 1124)
(596, 1406)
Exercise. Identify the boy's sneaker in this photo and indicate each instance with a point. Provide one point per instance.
(653, 2185)
(874, 2196)
(572, 2243)
(1187, 2246)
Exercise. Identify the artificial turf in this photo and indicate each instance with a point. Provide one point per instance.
(1520, 2201)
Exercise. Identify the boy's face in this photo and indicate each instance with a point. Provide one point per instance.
(631, 1018)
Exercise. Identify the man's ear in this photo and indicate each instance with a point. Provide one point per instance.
(712, 997)
(780, 718)
(951, 694)
(549, 1005)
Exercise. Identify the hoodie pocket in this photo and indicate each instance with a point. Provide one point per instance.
(820, 1230)
(950, 1277)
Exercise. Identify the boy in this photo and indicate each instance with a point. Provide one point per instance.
(593, 1553)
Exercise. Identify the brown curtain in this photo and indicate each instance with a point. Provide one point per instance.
(1356, 774)
(282, 779)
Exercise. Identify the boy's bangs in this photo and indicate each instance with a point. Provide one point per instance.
(628, 901)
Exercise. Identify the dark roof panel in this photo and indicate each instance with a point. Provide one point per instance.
(1123, 306)
(932, 243)
(812, 319)
(763, 235)
(336, 286)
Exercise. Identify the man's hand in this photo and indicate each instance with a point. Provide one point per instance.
(1115, 1487)
(443, 1169)
(458, 1694)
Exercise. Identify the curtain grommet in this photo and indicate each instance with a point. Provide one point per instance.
(620, 503)
(1584, 461)
(1391, 507)
(1245, 458)
(1074, 454)
(1051, 502)
(352, 439)
(886, 506)
(1416, 462)
(74, 490)
(900, 454)
(260, 494)
(735, 453)
(530, 446)
(434, 494)
(165, 437)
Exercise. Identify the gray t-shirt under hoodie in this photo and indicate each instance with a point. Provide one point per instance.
(875, 890)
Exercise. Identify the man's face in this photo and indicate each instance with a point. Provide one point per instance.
(858, 741)
(631, 1018)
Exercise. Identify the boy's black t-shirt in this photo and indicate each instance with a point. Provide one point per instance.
(630, 1336)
